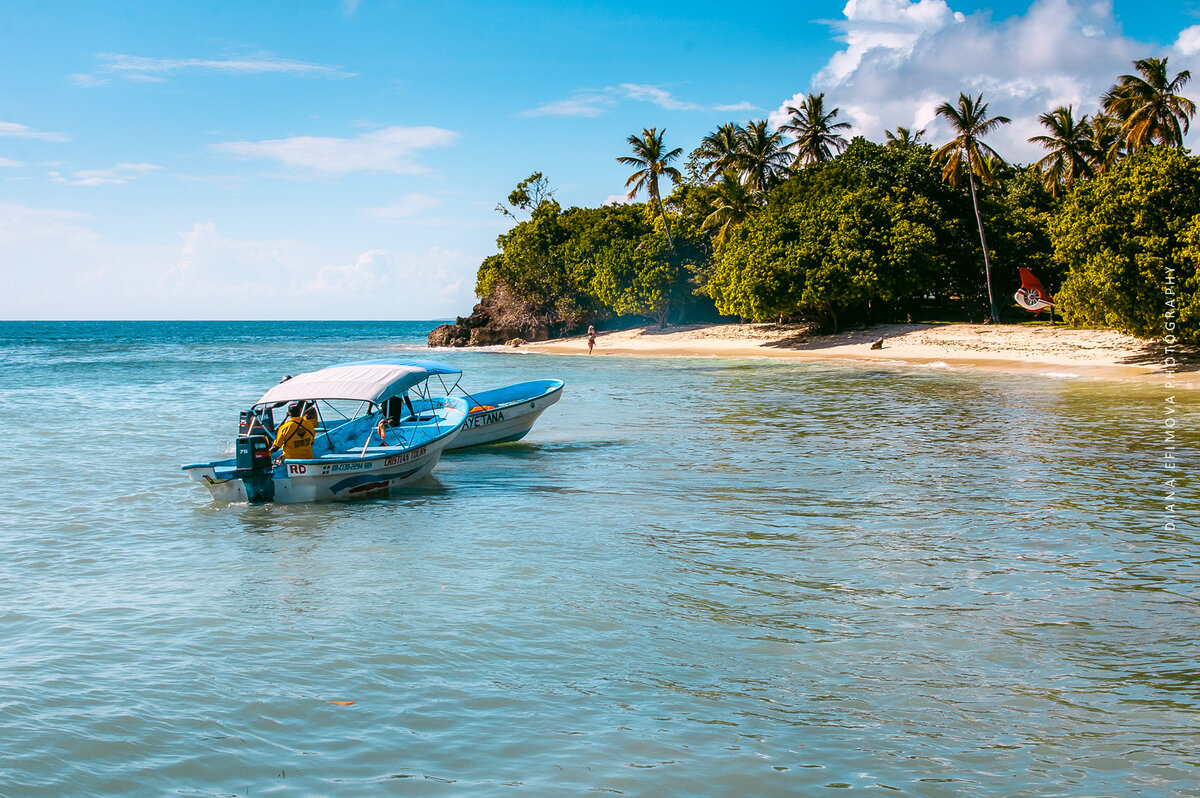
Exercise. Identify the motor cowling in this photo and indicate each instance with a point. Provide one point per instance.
(251, 423)
(253, 461)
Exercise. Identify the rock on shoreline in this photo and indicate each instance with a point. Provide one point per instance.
(482, 329)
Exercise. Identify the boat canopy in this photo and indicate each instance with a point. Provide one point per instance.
(365, 381)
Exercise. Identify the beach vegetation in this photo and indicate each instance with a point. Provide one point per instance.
(1072, 150)
(967, 153)
(1129, 243)
(1150, 106)
(732, 202)
(818, 137)
(903, 137)
(761, 158)
(636, 277)
(529, 194)
(651, 160)
(799, 223)
(863, 237)
(717, 154)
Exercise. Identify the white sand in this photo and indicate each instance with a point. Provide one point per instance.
(1021, 348)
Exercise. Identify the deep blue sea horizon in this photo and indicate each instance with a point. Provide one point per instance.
(695, 577)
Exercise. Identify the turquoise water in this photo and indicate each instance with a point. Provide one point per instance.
(695, 577)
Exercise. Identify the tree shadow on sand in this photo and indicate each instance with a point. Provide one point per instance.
(806, 338)
(1153, 353)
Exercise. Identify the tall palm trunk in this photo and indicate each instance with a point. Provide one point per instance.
(661, 212)
(666, 226)
(987, 263)
(662, 319)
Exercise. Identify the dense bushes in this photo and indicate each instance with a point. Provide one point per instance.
(1130, 242)
(873, 235)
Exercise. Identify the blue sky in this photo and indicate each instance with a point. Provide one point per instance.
(343, 159)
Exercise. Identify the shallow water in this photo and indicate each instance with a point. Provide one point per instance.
(695, 577)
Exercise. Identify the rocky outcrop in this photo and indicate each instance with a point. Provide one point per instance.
(485, 327)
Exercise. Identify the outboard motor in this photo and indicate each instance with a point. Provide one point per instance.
(253, 460)
(250, 423)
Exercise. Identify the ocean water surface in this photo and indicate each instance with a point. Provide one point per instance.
(695, 577)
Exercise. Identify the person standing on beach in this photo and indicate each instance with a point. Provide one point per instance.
(591, 338)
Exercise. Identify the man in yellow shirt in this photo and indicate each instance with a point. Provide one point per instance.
(296, 435)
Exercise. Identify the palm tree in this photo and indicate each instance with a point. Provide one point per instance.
(903, 137)
(1071, 149)
(651, 161)
(1106, 142)
(718, 150)
(966, 152)
(1149, 106)
(817, 135)
(734, 202)
(761, 157)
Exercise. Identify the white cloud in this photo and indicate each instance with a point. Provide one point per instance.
(660, 97)
(9, 162)
(742, 106)
(140, 69)
(391, 150)
(19, 131)
(408, 205)
(117, 175)
(595, 103)
(59, 267)
(617, 199)
(300, 280)
(64, 268)
(1188, 43)
(581, 105)
(902, 59)
(889, 25)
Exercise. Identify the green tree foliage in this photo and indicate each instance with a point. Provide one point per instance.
(1021, 209)
(566, 268)
(532, 267)
(1071, 146)
(761, 157)
(868, 232)
(1149, 105)
(1131, 242)
(732, 202)
(636, 277)
(903, 137)
(528, 195)
(818, 136)
(1106, 142)
(716, 154)
(967, 153)
(651, 160)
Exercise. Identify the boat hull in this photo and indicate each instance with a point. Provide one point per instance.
(323, 480)
(351, 468)
(511, 418)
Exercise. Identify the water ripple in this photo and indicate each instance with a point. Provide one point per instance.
(725, 577)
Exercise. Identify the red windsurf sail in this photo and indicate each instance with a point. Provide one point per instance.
(1031, 295)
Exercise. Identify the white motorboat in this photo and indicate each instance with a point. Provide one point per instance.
(378, 427)
(505, 414)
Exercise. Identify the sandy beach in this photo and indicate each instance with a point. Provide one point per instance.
(1054, 350)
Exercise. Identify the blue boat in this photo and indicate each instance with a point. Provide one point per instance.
(505, 414)
(380, 424)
